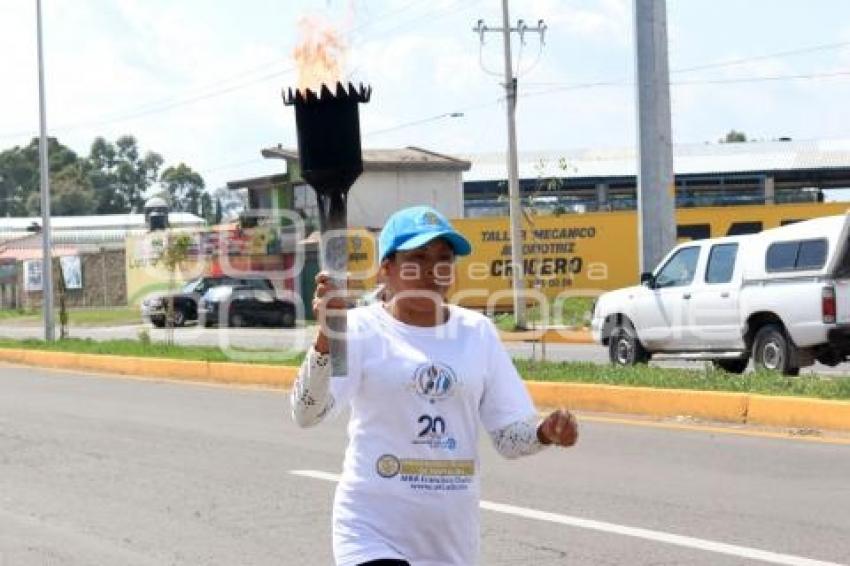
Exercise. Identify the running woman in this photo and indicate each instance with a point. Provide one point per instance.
(422, 373)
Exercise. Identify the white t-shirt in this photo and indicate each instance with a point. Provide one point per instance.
(410, 482)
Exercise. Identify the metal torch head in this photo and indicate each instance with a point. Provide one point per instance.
(328, 125)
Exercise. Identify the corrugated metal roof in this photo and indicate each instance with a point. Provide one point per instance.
(378, 159)
(23, 254)
(749, 157)
(101, 221)
(70, 237)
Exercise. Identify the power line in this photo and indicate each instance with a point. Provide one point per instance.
(171, 103)
(776, 55)
(726, 63)
(802, 76)
(623, 83)
(454, 114)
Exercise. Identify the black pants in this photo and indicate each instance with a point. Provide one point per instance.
(386, 562)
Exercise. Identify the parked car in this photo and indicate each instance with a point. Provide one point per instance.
(246, 306)
(186, 300)
(780, 297)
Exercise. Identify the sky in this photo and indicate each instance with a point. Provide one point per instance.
(199, 81)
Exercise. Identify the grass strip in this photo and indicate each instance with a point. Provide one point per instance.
(767, 383)
(570, 311)
(136, 348)
(114, 316)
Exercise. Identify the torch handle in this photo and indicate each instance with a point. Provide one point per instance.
(334, 252)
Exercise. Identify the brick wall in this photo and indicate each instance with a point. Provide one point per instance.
(104, 283)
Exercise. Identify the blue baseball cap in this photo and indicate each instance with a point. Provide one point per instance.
(414, 227)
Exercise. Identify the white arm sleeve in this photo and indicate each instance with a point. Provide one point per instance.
(505, 400)
(517, 439)
(311, 398)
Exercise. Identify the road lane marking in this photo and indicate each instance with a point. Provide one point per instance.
(316, 474)
(613, 528)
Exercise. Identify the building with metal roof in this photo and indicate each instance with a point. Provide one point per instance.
(97, 222)
(706, 175)
(391, 179)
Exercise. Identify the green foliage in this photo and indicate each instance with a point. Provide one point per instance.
(78, 317)
(158, 350)
(175, 252)
(734, 136)
(185, 189)
(120, 175)
(71, 193)
(570, 311)
(144, 337)
(112, 179)
(20, 175)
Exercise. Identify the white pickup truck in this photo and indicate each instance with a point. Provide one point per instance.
(780, 297)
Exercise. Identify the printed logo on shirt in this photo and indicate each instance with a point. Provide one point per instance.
(438, 475)
(428, 475)
(434, 381)
(438, 467)
(388, 466)
(433, 433)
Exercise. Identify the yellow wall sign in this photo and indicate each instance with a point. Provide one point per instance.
(576, 251)
(584, 253)
(580, 254)
(146, 276)
(362, 259)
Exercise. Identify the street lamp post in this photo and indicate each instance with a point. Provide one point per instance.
(46, 262)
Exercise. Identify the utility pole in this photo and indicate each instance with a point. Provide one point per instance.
(46, 261)
(656, 182)
(517, 271)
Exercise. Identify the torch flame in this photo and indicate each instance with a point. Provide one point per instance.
(320, 54)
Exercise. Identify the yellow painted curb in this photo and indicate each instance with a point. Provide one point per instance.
(798, 412)
(721, 406)
(218, 372)
(550, 336)
(712, 405)
(255, 374)
(568, 337)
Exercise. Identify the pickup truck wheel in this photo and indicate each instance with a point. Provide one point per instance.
(178, 317)
(287, 319)
(774, 351)
(624, 348)
(732, 366)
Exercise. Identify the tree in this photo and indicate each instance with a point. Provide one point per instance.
(210, 209)
(230, 203)
(734, 136)
(185, 188)
(20, 175)
(119, 175)
(71, 193)
(174, 255)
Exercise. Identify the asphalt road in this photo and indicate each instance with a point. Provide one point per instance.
(97, 470)
(300, 339)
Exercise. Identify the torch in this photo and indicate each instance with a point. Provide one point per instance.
(328, 126)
